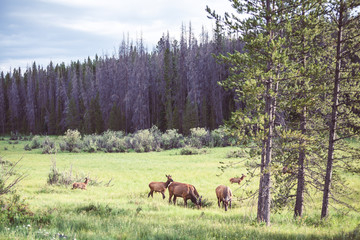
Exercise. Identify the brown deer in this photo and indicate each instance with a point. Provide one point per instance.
(186, 191)
(159, 186)
(81, 185)
(237, 180)
(224, 195)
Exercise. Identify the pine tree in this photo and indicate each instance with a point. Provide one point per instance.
(255, 76)
(346, 80)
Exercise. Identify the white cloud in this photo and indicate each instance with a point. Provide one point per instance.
(84, 27)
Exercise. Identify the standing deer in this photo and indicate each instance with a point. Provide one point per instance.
(159, 186)
(186, 191)
(81, 185)
(224, 195)
(237, 180)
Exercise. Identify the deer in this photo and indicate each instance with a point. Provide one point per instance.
(186, 191)
(81, 185)
(237, 180)
(159, 186)
(224, 195)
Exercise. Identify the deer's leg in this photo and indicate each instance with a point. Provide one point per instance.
(219, 202)
(174, 199)
(170, 196)
(150, 193)
(163, 195)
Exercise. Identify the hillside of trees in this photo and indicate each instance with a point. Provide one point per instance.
(175, 86)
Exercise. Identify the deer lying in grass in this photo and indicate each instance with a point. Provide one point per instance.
(237, 180)
(159, 186)
(81, 185)
(186, 191)
(224, 195)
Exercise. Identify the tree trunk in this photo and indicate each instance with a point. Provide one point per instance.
(265, 180)
(260, 199)
(300, 178)
(333, 122)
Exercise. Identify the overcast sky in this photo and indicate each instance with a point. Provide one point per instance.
(65, 30)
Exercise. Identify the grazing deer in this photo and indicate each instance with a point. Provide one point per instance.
(224, 195)
(186, 191)
(81, 185)
(159, 186)
(237, 180)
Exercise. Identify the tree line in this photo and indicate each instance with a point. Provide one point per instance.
(173, 87)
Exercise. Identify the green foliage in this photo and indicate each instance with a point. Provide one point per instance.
(188, 150)
(172, 139)
(49, 146)
(72, 141)
(199, 137)
(14, 210)
(35, 142)
(55, 177)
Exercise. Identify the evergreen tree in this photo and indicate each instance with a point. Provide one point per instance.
(345, 19)
(256, 75)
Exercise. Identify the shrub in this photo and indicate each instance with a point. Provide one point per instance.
(240, 153)
(27, 147)
(14, 210)
(172, 139)
(90, 143)
(199, 137)
(9, 176)
(55, 177)
(219, 138)
(48, 146)
(72, 141)
(15, 136)
(143, 141)
(113, 141)
(192, 151)
(35, 142)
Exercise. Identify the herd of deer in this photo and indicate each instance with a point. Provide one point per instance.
(184, 190)
(188, 191)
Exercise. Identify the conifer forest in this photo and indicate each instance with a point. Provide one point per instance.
(175, 86)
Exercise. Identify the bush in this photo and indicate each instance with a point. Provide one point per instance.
(144, 141)
(192, 151)
(91, 143)
(113, 141)
(48, 146)
(35, 142)
(55, 177)
(14, 210)
(172, 139)
(27, 147)
(219, 138)
(72, 141)
(240, 153)
(199, 137)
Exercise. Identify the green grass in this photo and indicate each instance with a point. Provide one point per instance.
(123, 211)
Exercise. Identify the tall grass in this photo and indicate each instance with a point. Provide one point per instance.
(123, 211)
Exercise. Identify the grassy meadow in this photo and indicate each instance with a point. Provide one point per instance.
(122, 209)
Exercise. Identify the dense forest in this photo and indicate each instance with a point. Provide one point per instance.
(173, 86)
